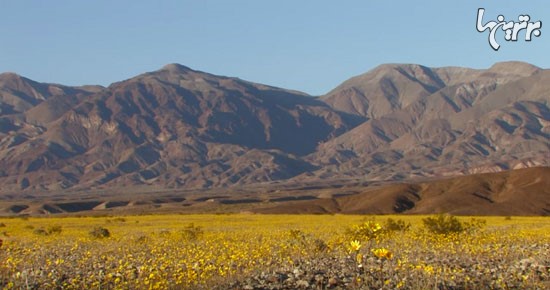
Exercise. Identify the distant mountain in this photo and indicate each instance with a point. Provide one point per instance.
(437, 122)
(172, 127)
(181, 128)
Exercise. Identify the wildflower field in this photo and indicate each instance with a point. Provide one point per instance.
(275, 252)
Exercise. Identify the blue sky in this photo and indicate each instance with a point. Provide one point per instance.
(310, 46)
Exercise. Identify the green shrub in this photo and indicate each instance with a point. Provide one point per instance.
(443, 224)
(447, 224)
(392, 225)
(100, 233)
(51, 230)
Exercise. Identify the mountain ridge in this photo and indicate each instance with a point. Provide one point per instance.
(181, 128)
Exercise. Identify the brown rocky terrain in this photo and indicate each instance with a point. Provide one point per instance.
(173, 127)
(515, 192)
(441, 122)
(177, 129)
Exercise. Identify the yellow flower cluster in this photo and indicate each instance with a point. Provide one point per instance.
(382, 253)
(205, 251)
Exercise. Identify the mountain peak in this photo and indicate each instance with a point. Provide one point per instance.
(10, 75)
(175, 68)
(13, 79)
(398, 65)
(515, 67)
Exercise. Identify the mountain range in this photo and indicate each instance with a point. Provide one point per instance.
(185, 129)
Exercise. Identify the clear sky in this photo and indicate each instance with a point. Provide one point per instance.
(311, 46)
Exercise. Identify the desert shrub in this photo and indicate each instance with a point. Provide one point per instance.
(51, 230)
(55, 229)
(307, 241)
(99, 233)
(443, 224)
(192, 232)
(365, 231)
(320, 246)
(392, 225)
(448, 224)
(40, 231)
(508, 218)
(2, 225)
(474, 225)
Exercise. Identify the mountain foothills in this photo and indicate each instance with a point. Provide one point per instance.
(512, 192)
(181, 128)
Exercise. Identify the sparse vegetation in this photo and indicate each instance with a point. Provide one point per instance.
(192, 232)
(396, 225)
(307, 242)
(116, 220)
(50, 230)
(444, 224)
(100, 232)
(365, 231)
(276, 252)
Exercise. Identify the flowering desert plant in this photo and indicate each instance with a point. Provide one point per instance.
(192, 232)
(99, 232)
(443, 224)
(262, 252)
(396, 225)
(354, 246)
(382, 253)
(365, 231)
(448, 224)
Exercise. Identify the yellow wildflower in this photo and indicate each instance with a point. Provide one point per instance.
(382, 253)
(355, 245)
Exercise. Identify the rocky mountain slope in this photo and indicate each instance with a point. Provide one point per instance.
(181, 128)
(437, 122)
(174, 127)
